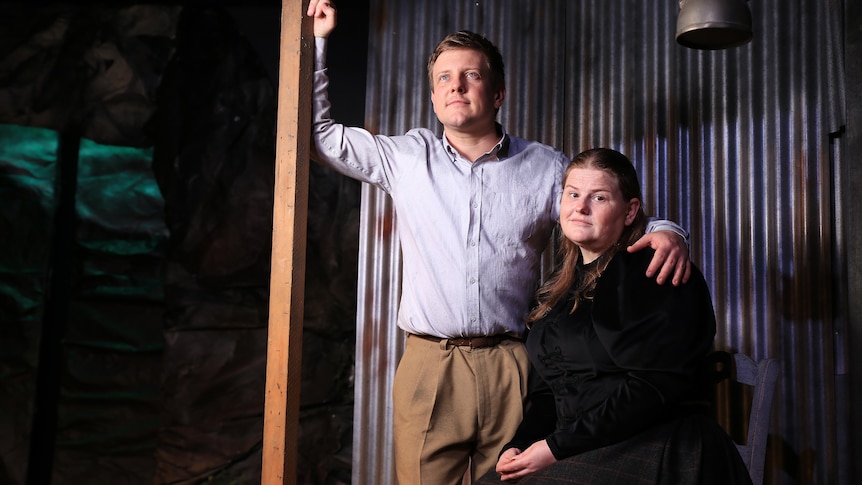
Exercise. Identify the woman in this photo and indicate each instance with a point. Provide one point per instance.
(617, 386)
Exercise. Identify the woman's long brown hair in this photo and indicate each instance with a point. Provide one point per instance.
(558, 285)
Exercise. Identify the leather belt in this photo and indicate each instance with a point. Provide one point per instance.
(472, 342)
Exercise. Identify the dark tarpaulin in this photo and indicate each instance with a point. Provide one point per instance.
(111, 356)
(26, 188)
(165, 339)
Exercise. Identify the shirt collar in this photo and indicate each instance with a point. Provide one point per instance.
(498, 152)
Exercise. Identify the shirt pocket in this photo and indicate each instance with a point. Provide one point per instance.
(511, 218)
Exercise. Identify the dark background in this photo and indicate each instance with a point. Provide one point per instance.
(136, 173)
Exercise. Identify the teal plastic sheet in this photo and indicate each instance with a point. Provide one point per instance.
(112, 341)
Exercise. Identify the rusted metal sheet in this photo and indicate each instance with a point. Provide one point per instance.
(733, 144)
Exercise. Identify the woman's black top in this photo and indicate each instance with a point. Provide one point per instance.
(629, 359)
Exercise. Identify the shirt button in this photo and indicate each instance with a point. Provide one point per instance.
(472, 280)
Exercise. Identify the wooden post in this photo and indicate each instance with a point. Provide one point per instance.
(287, 280)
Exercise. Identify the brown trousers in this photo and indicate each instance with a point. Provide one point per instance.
(455, 407)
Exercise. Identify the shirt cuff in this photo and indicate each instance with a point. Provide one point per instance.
(664, 225)
(320, 53)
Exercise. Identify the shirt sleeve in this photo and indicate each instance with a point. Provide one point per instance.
(654, 225)
(351, 151)
(657, 337)
(320, 45)
(540, 416)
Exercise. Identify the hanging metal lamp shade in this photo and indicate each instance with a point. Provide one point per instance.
(713, 24)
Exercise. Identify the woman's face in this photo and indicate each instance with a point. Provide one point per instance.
(593, 212)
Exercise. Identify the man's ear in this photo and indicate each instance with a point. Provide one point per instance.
(499, 97)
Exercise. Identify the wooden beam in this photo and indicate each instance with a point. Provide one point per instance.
(287, 280)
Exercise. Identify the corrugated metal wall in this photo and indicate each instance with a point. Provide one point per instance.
(734, 145)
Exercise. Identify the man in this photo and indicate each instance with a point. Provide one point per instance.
(476, 208)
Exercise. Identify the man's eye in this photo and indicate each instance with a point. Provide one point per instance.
(472, 75)
(443, 78)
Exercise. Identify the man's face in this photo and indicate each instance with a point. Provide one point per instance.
(462, 93)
